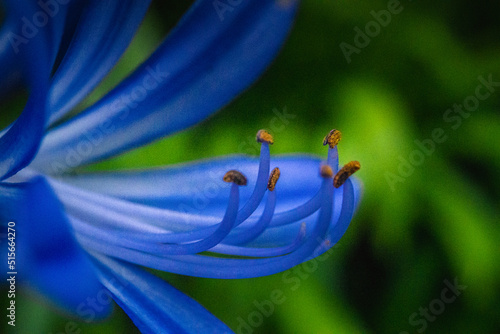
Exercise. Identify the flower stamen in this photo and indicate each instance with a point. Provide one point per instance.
(260, 226)
(325, 171)
(237, 179)
(273, 178)
(264, 137)
(262, 177)
(346, 171)
(251, 233)
(306, 209)
(234, 176)
(332, 138)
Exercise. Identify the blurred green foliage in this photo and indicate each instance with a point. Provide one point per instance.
(437, 223)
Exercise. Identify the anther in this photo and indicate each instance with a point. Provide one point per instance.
(236, 177)
(344, 173)
(325, 171)
(273, 178)
(264, 137)
(332, 138)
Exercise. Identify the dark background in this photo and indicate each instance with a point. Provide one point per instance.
(426, 220)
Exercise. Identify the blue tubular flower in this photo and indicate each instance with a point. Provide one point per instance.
(263, 221)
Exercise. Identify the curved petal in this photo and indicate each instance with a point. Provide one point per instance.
(10, 71)
(104, 31)
(184, 203)
(19, 143)
(199, 184)
(214, 267)
(56, 14)
(184, 197)
(200, 67)
(153, 305)
(47, 256)
(48, 19)
(333, 219)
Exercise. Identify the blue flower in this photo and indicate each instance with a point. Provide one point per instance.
(79, 232)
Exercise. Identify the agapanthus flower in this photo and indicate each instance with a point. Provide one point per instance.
(78, 232)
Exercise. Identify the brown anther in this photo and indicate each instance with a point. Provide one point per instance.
(273, 178)
(332, 138)
(325, 171)
(344, 173)
(264, 137)
(236, 177)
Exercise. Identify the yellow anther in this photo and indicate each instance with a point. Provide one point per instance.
(344, 173)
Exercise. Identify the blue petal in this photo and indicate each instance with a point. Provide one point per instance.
(104, 31)
(188, 183)
(200, 67)
(152, 304)
(186, 197)
(207, 266)
(47, 255)
(190, 198)
(22, 25)
(19, 143)
(10, 71)
(114, 214)
(56, 20)
(143, 247)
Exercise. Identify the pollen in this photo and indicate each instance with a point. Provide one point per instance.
(264, 137)
(326, 171)
(344, 173)
(332, 138)
(234, 176)
(273, 178)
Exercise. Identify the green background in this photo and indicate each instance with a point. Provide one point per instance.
(437, 222)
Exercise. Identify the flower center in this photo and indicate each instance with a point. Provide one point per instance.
(270, 243)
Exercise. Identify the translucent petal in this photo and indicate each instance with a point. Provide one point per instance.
(178, 191)
(104, 31)
(201, 66)
(214, 267)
